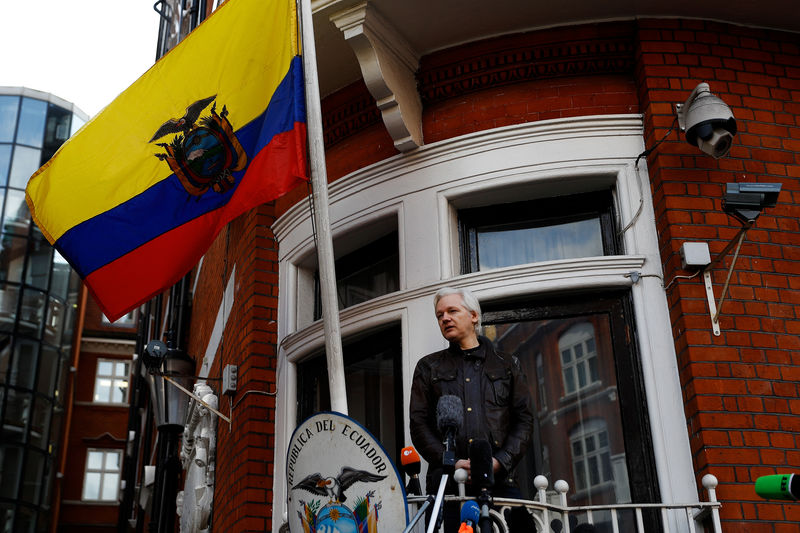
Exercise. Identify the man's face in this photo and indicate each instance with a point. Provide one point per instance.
(455, 321)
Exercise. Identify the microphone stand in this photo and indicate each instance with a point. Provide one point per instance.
(420, 513)
(437, 505)
(485, 521)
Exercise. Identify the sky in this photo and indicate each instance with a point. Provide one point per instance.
(83, 51)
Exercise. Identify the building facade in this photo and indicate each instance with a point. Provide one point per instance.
(38, 310)
(530, 155)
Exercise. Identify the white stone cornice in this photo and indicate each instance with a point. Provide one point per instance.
(388, 64)
(108, 346)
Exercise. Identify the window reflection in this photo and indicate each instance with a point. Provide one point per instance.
(16, 217)
(9, 105)
(12, 258)
(579, 410)
(9, 295)
(31, 122)
(5, 162)
(39, 253)
(57, 130)
(32, 312)
(26, 161)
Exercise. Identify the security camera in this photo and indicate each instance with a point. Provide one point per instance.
(154, 354)
(707, 121)
(745, 201)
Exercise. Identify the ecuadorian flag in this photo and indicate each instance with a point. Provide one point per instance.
(213, 129)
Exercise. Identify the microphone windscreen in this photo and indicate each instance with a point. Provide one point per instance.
(481, 463)
(449, 413)
(409, 458)
(778, 487)
(470, 512)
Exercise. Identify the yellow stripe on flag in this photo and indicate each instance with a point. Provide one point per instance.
(240, 54)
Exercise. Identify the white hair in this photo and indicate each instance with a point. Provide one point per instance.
(469, 300)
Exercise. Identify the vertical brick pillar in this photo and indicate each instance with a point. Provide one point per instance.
(740, 389)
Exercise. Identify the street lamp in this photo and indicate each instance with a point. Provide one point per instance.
(170, 406)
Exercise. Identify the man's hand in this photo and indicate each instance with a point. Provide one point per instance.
(495, 465)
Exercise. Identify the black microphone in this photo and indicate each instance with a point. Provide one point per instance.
(409, 458)
(481, 463)
(449, 418)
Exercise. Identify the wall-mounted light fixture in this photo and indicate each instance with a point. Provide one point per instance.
(707, 122)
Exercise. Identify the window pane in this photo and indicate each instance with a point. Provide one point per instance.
(119, 391)
(112, 461)
(5, 161)
(9, 105)
(57, 130)
(121, 369)
(23, 371)
(48, 370)
(374, 382)
(588, 427)
(60, 281)
(77, 123)
(12, 258)
(102, 390)
(32, 312)
(10, 470)
(55, 321)
(8, 306)
(39, 255)
(32, 476)
(26, 161)
(16, 216)
(110, 484)
(31, 122)
(503, 248)
(91, 486)
(105, 368)
(95, 461)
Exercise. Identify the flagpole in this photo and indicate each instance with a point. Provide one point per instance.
(319, 183)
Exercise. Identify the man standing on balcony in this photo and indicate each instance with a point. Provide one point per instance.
(493, 390)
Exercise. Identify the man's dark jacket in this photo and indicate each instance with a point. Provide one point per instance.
(508, 417)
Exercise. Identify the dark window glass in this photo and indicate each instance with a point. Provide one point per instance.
(40, 253)
(31, 122)
(5, 162)
(9, 295)
(26, 161)
(12, 258)
(32, 476)
(40, 422)
(57, 130)
(31, 314)
(10, 469)
(61, 273)
(48, 370)
(371, 271)
(9, 105)
(563, 227)
(23, 370)
(16, 416)
(598, 416)
(373, 374)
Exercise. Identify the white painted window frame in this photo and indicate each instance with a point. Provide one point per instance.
(103, 474)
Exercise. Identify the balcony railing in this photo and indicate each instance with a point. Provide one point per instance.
(688, 517)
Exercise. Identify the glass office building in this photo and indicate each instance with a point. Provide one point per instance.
(38, 300)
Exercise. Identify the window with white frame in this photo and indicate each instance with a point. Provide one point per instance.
(578, 358)
(591, 455)
(101, 480)
(111, 381)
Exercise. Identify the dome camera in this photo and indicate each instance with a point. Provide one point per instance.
(707, 121)
(154, 354)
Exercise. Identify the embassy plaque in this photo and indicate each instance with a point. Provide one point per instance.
(341, 480)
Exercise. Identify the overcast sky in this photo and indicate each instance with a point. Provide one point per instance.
(84, 51)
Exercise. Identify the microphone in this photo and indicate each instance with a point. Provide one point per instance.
(449, 418)
(481, 463)
(779, 487)
(409, 458)
(470, 513)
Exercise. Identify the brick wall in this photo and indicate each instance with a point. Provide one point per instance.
(740, 389)
(245, 450)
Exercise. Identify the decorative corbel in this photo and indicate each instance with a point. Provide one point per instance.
(388, 64)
